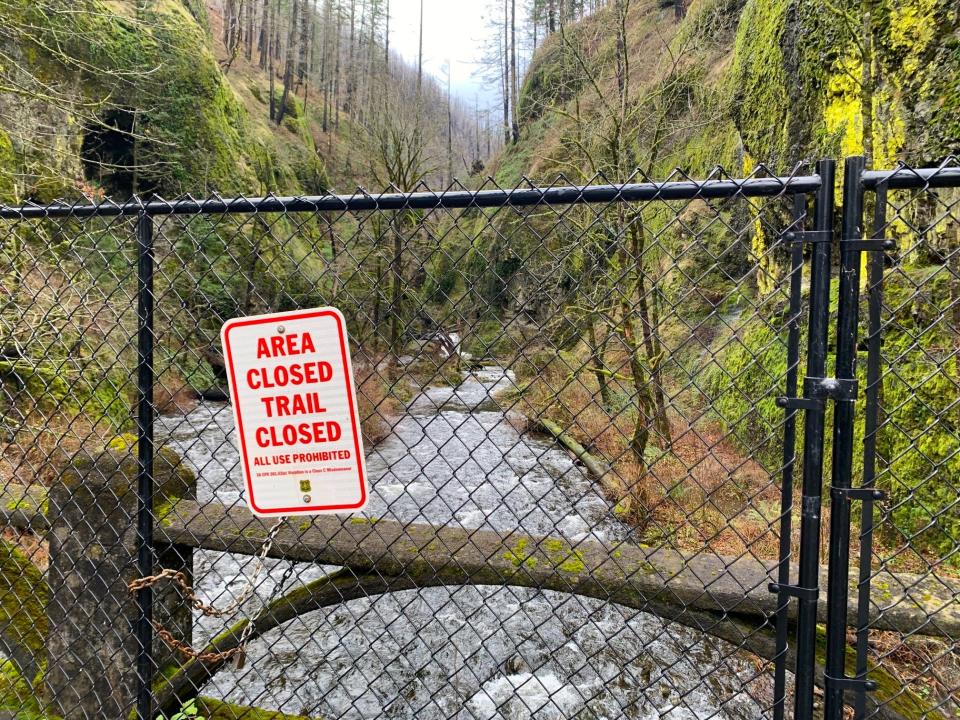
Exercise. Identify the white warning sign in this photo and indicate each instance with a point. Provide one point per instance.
(294, 405)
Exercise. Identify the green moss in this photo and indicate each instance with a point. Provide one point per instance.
(8, 165)
(552, 79)
(160, 67)
(23, 599)
(893, 693)
(32, 501)
(919, 442)
(311, 174)
(54, 389)
(573, 564)
(255, 533)
(748, 373)
(757, 78)
(919, 447)
(564, 557)
(16, 695)
(173, 477)
(211, 709)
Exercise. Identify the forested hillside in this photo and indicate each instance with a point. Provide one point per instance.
(695, 84)
(110, 98)
(638, 89)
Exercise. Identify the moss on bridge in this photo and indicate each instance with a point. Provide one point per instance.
(211, 709)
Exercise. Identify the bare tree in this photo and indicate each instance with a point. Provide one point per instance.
(420, 55)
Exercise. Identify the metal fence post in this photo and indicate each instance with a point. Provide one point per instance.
(843, 428)
(145, 380)
(789, 462)
(808, 573)
(871, 427)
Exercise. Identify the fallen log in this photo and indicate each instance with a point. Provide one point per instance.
(597, 469)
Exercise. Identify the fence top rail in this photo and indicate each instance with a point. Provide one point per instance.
(905, 177)
(450, 199)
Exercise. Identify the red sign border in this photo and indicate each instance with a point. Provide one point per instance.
(345, 357)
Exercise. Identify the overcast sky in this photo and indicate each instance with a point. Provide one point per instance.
(453, 30)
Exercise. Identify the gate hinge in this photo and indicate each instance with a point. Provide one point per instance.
(830, 387)
(872, 245)
(796, 591)
(867, 494)
(807, 236)
(849, 683)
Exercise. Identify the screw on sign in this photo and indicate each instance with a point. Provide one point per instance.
(294, 405)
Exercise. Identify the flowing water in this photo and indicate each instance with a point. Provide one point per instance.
(473, 652)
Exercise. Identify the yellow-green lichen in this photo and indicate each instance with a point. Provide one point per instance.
(767, 273)
(519, 556)
(564, 557)
(842, 115)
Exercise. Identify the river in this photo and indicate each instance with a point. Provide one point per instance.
(473, 652)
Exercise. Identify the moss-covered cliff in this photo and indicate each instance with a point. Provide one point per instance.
(138, 102)
(772, 81)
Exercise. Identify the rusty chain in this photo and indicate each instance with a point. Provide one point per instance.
(178, 577)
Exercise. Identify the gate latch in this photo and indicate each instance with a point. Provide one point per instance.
(793, 403)
(807, 236)
(866, 494)
(871, 245)
(849, 683)
(816, 390)
(796, 591)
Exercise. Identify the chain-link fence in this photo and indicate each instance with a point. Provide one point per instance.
(582, 412)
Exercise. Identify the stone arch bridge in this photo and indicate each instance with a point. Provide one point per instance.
(93, 553)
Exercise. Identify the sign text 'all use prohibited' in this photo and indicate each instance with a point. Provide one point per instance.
(294, 405)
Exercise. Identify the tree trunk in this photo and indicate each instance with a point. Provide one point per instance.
(270, 33)
(229, 8)
(506, 73)
(597, 352)
(420, 56)
(288, 64)
(514, 86)
(651, 341)
(304, 41)
(248, 42)
(866, 81)
(336, 72)
(396, 267)
(449, 132)
(351, 69)
(263, 45)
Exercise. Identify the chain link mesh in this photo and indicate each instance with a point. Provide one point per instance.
(575, 455)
